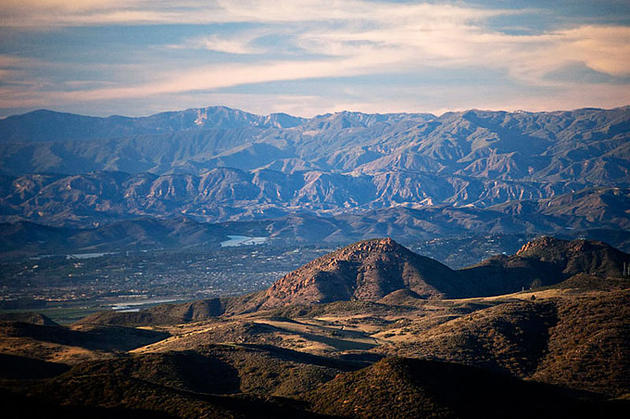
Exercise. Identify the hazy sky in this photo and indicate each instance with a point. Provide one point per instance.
(136, 57)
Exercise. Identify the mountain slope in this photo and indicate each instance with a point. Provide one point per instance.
(371, 269)
(398, 387)
(579, 342)
(366, 271)
(545, 261)
(577, 256)
(26, 239)
(604, 222)
(530, 146)
(161, 314)
(50, 341)
(225, 194)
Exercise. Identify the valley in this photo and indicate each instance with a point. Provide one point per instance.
(67, 287)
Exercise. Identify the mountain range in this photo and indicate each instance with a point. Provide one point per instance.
(218, 164)
(535, 147)
(599, 214)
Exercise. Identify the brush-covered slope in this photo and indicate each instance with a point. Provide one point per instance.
(581, 342)
(27, 317)
(223, 369)
(160, 314)
(545, 261)
(36, 336)
(408, 388)
(119, 392)
(22, 406)
(21, 367)
(589, 345)
(510, 337)
(577, 256)
(215, 381)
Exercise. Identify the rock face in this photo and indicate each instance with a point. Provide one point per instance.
(367, 270)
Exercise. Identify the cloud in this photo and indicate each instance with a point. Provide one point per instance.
(320, 40)
(12, 68)
(227, 75)
(228, 45)
(453, 43)
(605, 49)
(14, 61)
(418, 34)
(59, 13)
(238, 43)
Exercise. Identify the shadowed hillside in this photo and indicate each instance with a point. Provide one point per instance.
(398, 387)
(580, 342)
(51, 341)
(545, 261)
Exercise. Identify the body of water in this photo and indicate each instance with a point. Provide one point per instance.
(243, 241)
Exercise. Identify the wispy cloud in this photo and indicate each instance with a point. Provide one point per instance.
(227, 75)
(238, 43)
(33, 13)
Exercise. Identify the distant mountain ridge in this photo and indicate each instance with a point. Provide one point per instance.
(540, 147)
(44, 125)
(541, 172)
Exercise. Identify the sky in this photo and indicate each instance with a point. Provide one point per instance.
(306, 57)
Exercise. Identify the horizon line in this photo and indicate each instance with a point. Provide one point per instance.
(455, 110)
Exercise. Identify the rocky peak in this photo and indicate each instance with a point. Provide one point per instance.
(367, 270)
(366, 248)
(544, 242)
